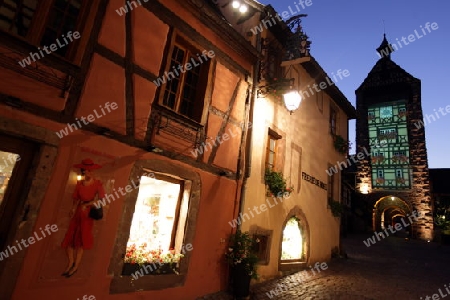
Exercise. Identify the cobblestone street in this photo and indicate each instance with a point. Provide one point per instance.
(393, 268)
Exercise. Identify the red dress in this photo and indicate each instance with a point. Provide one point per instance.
(79, 233)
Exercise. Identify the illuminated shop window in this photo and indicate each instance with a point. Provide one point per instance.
(159, 218)
(292, 245)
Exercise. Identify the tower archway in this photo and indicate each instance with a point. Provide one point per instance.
(389, 210)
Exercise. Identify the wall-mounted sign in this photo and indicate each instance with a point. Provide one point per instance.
(314, 180)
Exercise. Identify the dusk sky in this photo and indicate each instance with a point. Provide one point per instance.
(345, 34)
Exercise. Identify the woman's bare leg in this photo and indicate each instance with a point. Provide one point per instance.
(78, 257)
(70, 258)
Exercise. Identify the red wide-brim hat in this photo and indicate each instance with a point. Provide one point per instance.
(87, 164)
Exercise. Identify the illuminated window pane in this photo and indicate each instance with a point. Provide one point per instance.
(7, 162)
(158, 219)
(292, 245)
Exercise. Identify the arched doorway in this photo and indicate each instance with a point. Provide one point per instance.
(294, 242)
(388, 211)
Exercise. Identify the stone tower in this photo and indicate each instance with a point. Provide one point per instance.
(393, 181)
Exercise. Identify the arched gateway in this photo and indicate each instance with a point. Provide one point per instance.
(294, 243)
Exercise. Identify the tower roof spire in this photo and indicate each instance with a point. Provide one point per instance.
(385, 49)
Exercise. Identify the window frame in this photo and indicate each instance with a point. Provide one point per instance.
(272, 135)
(176, 221)
(37, 28)
(333, 112)
(178, 40)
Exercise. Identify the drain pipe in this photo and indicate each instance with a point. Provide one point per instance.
(249, 113)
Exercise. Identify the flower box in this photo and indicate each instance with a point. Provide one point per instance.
(276, 184)
(150, 268)
(401, 114)
(399, 159)
(380, 181)
(377, 159)
(400, 180)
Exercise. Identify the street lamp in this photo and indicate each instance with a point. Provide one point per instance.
(239, 6)
(292, 100)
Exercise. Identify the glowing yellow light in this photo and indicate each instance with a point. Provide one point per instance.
(79, 177)
(292, 245)
(243, 8)
(364, 189)
(292, 100)
(236, 4)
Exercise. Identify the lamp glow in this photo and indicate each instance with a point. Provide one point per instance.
(292, 100)
(243, 8)
(236, 4)
(364, 188)
(79, 177)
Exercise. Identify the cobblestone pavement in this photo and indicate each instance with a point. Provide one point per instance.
(393, 268)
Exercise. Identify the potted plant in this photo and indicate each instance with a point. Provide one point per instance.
(163, 262)
(336, 208)
(276, 183)
(277, 87)
(340, 144)
(242, 260)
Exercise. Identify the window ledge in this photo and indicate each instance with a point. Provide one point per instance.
(170, 122)
(126, 284)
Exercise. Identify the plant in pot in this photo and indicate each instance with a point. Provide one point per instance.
(336, 208)
(276, 183)
(242, 260)
(340, 144)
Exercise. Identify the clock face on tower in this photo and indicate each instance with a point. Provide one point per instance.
(386, 112)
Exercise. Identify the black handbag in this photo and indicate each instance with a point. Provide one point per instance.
(96, 213)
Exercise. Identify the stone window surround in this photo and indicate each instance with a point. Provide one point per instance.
(126, 284)
(44, 162)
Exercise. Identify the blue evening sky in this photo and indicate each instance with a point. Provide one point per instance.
(345, 34)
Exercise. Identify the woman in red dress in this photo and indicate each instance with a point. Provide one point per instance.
(79, 234)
